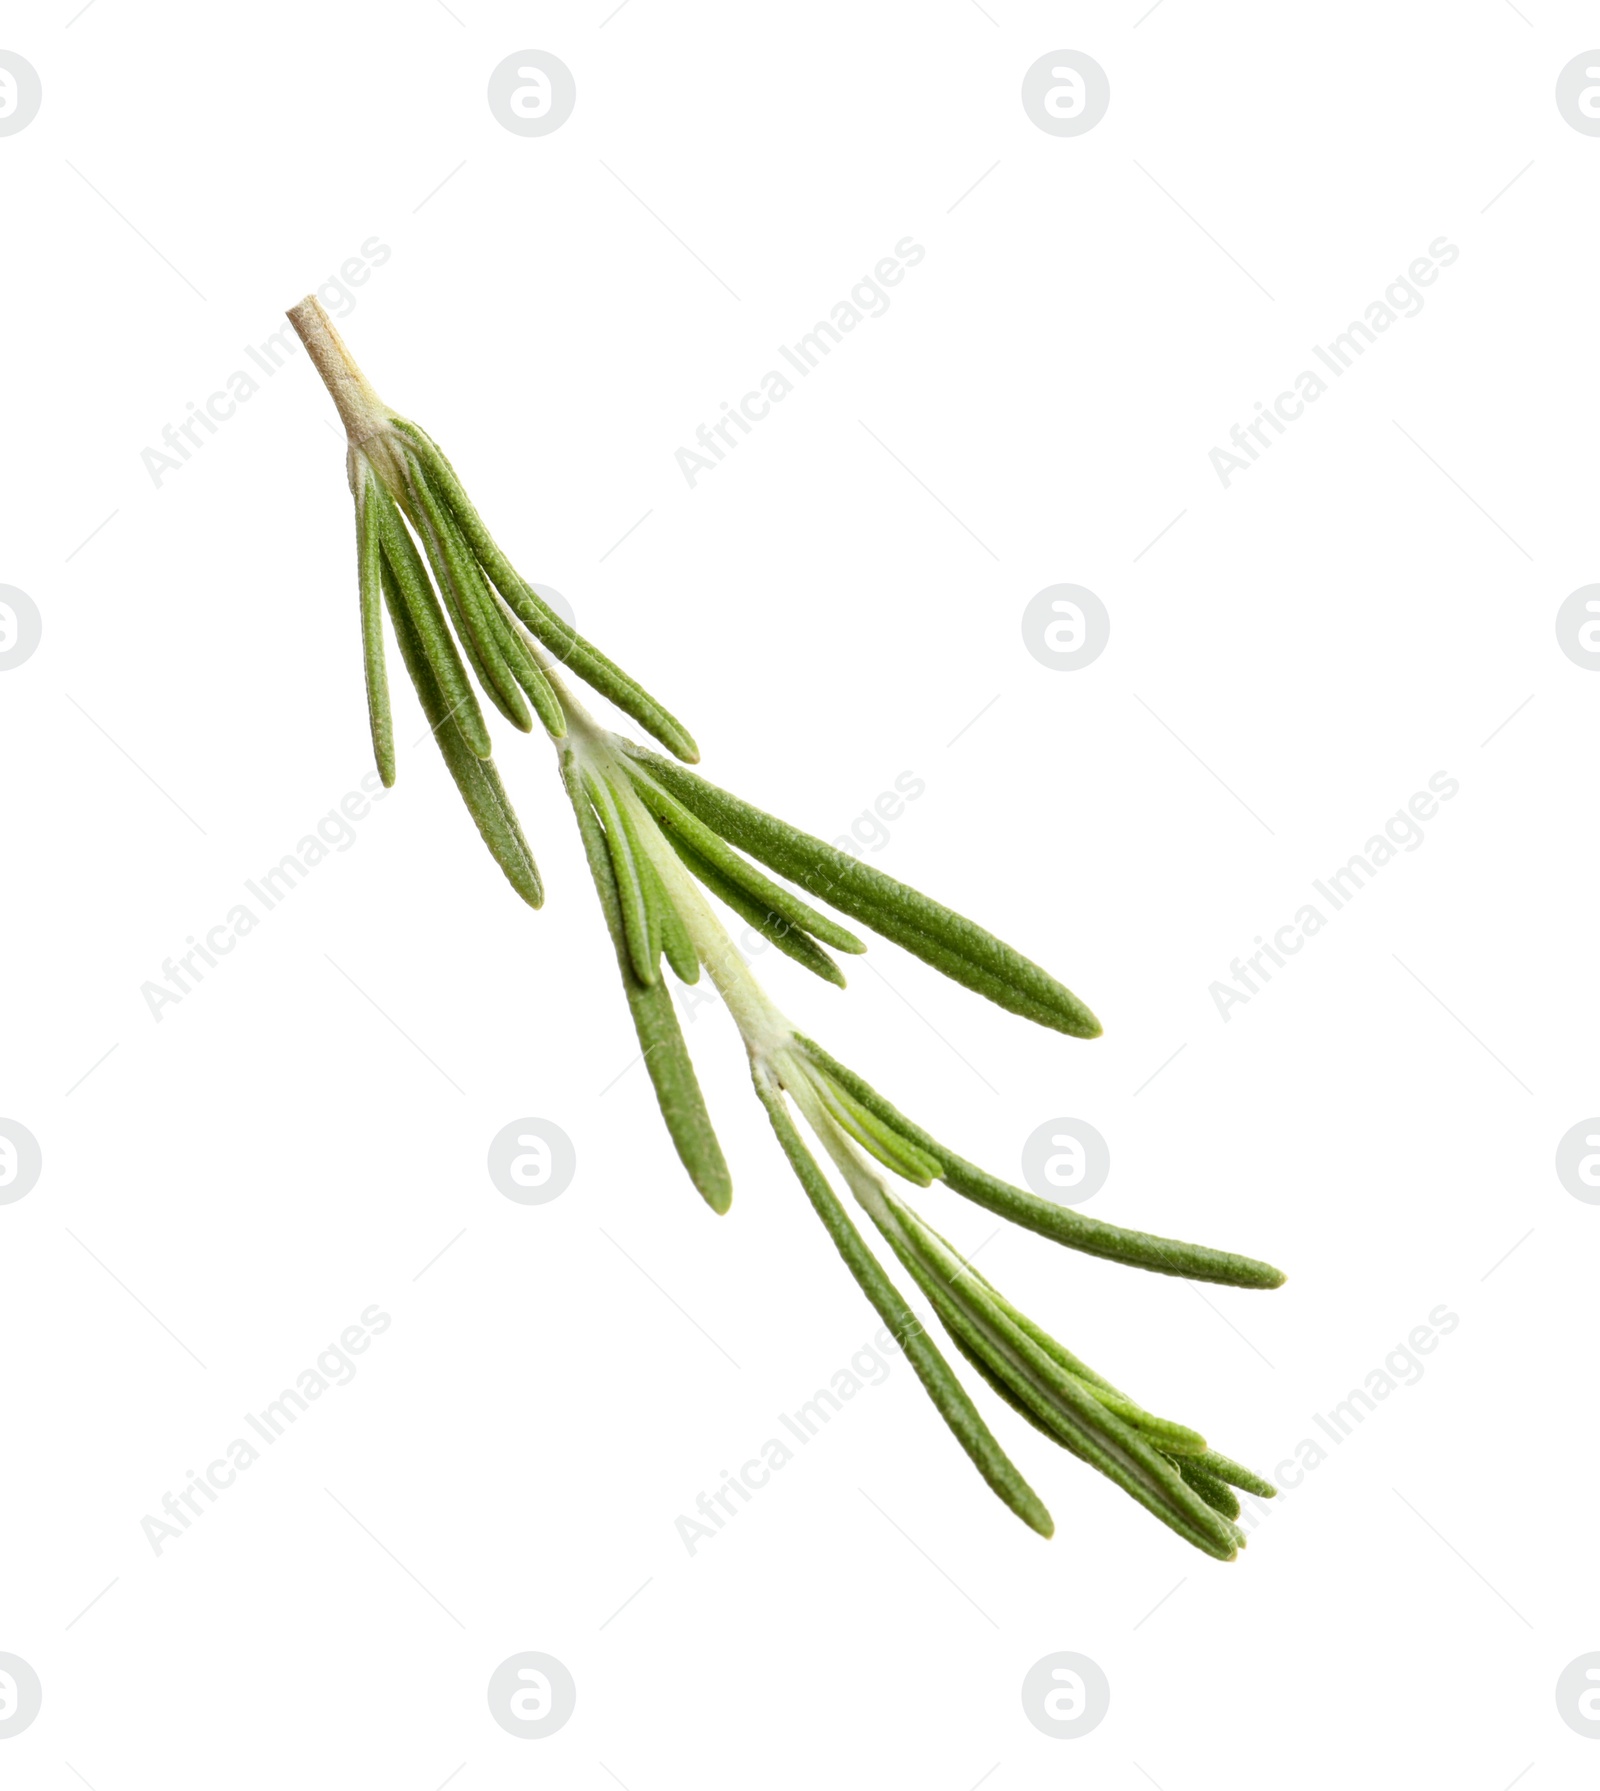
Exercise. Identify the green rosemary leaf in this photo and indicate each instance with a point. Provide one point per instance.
(1074, 1365)
(957, 947)
(1230, 1471)
(525, 668)
(1046, 1427)
(949, 1397)
(658, 903)
(1017, 1403)
(432, 631)
(476, 778)
(962, 1300)
(503, 648)
(1171, 1438)
(872, 1134)
(1096, 1433)
(788, 938)
(678, 1095)
(494, 680)
(1089, 1441)
(633, 901)
(961, 969)
(568, 646)
(466, 596)
(676, 944)
(1182, 1445)
(654, 902)
(1095, 1237)
(369, 545)
(1042, 1424)
(586, 661)
(1037, 1412)
(655, 1020)
(783, 904)
(1216, 1493)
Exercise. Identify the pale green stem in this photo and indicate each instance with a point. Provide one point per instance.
(862, 1180)
(763, 1028)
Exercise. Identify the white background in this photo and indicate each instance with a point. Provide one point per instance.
(1288, 664)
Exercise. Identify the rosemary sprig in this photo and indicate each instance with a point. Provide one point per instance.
(658, 838)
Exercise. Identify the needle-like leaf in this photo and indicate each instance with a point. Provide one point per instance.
(954, 945)
(1172, 1439)
(568, 647)
(1216, 1493)
(518, 655)
(466, 597)
(782, 933)
(633, 902)
(369, 546)
(476, 778)
(427, 618)
(1231, 1473)
(890, 1147)
(676, 944)
(1062, 1403)
(666, 1058)
(1139, 1249)
(949, 1397)
(677, 823)
(500, 645)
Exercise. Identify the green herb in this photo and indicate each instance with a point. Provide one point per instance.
(658, 837)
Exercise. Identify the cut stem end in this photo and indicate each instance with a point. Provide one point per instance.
(363, 413)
